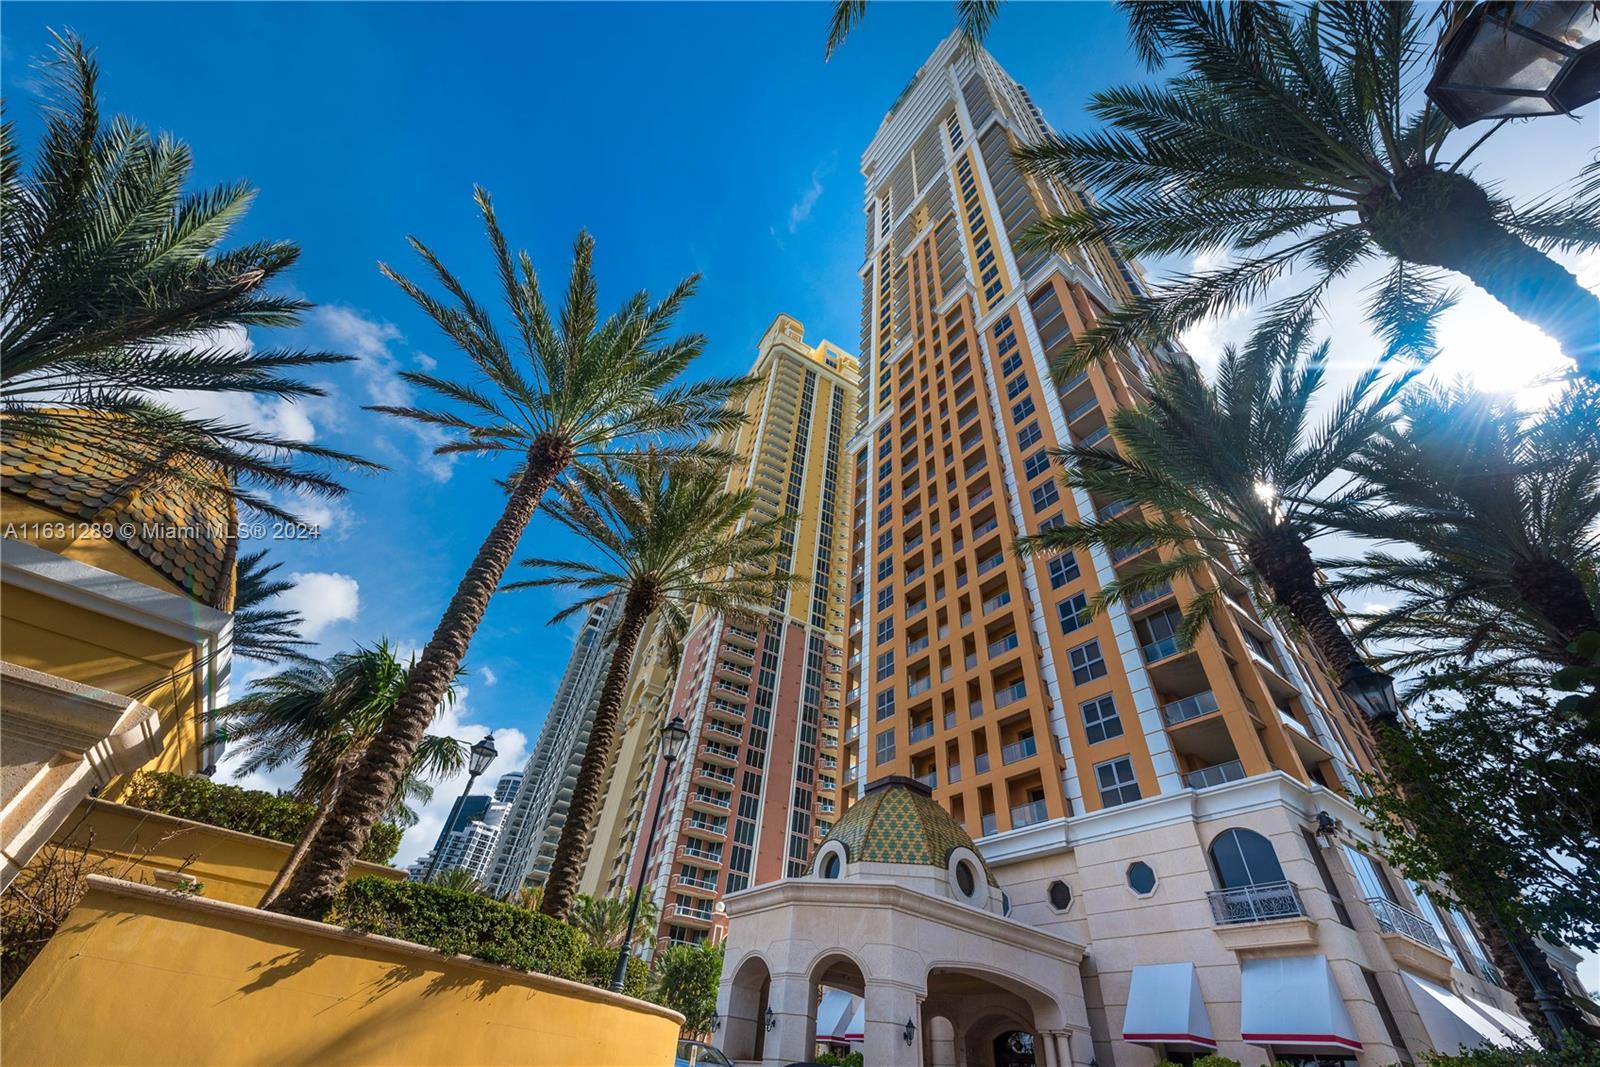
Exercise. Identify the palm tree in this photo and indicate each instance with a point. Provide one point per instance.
(321, 715)
(672, 540)
(1229, 474)
(1498, 513)
(604, 919)
(972, 17)
(1290, 139)
(458, 878)
(261, 632)
(114, 293)
(567, 389)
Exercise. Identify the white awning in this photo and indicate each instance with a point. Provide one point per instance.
(1165, 1007)
(1293, 1003)
(839, 1017)
(1451, 1024)
(1513, 1026)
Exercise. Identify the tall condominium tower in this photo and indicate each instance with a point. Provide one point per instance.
(527, 842)
(758, 787)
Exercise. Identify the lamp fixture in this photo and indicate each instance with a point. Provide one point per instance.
(772, 1020)
(1372, 691)
(910, 1031)
(1505, 60)
(480, 755)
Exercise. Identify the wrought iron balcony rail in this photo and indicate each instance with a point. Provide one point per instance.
(1255, 903)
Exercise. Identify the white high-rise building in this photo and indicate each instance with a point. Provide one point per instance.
(527, 844)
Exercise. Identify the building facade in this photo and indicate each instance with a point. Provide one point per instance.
(759, 785)
(1181, 815)
(526, 845)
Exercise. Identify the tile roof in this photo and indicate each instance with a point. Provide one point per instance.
(187, 535)
(899, 822)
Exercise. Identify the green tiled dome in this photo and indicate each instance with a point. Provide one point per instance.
(898, 821)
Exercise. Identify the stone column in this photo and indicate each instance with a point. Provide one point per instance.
(888, 1006)
(794, 1038)
(942, 1042)
(1047, 1039)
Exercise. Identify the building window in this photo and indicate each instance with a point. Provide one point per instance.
(1074, 612)
(1016, 387)
(1063, 569)
(1035, 465)
(885, 598)
(1087, 663)
(885, 631)
(830, 865)
(1022, 409)
(1141, 878)
(966, 880)
(1117, 782)
(885, 707)
(1100, 719)
(1244, 858)
(1029, 435)
(1060, 895)
(885, 664)
(885, 747)
(1045, 495)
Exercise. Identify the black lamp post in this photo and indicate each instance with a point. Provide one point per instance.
(1518, 60)
(1373, 692)
(479, 756)
(674, 739)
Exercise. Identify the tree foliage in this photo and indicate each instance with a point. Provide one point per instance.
(686, 981)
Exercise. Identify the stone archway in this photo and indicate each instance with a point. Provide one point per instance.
(835, 971)
(996, 1021)
(744, 1019)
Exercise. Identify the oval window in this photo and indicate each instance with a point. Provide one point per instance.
(830, 865)
(1141, 879)
(965, 880)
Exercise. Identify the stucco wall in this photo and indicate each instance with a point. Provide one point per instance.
(138, 976)
(147, 847)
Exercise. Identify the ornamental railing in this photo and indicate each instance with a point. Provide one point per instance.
(1393, 919)
(1255, 903)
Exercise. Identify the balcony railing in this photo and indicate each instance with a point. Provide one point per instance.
(1028, 814)
(1255, 903)
(1189, 707)
(1393, 919)
(1148, 596)
(1158, 650)
(1018, 750)
(919, 686)
(702, 854)
(930, 779)
(990, 825)
(1010, 694)
(683, 911)
(708, 885)
(1206, 777)
(921, 731)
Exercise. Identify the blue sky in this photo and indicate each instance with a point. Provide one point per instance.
(708, 138)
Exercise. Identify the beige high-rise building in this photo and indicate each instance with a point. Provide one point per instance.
(1066, 838)
(758, 788)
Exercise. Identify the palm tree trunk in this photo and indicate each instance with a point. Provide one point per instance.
(1284, 563)
(562, 885)
(330, 793)
(1551, 589)
(1513, 961)
(1445, 219)
(388, 756)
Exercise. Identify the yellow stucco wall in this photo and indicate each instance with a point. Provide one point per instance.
(140, 977)
(147, 847)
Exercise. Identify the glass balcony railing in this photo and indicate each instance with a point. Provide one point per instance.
(980, 763)
(930, 779)
(1189, 707)
(1010, 694)
(1255, 903)
(921, 731)
(1028, 814)
(919, 686)
(1003, 645)
(1018, 750)
(1147, 596)
(1159, 650)
(1206, 777)
(953, 773)
(990, 824)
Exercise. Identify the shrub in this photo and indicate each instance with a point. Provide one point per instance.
(462, 923)
(1575, 1051)
(249, 811)
(599, 964)
(686, 982)
(853, 1058)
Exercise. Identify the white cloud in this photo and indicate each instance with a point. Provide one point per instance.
(369, 342)
(488, 676)
(1206, 339)
(801, 210)
(324, 598)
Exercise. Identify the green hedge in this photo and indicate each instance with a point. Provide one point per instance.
(467, 924)
(599, 964)
(248, 811)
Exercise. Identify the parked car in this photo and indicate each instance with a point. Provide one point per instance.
(699, 1054)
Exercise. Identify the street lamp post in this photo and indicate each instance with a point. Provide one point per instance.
(479, 756)
(674, 738)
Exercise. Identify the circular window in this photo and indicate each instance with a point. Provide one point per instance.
(1060, 895)
(1141, 879)
(966, 881)
(830, 865)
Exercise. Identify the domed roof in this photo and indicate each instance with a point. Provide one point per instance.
(898, 821)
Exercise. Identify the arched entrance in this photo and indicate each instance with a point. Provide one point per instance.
(995, 1019)
(1014, 1048)
(838, 987)
(749, 997)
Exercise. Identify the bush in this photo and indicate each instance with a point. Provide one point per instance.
(466, 924)
(686, 982)
(853, 1058)
(599, 964)
(249, 811)
(1575, 1051)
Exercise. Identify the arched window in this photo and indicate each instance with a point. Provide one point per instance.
(1244, 858)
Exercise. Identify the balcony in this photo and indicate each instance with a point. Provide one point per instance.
(1160, 650)
(980, 763)
(684, 913)
(1095, 438)
(931, 779)
(1148, 596)
(715, 776)
(990, 824)
(702, 854)
(1189, 707)
(700, 885)
(1028, 814)
(1393, 919)
(1002, 646)
(1018, 750)
(725, 730)
(919, 686)
(1082, 409)
(709, 829)
(998, 600)
(1255, 903)
(1121, 555)
(716, 752)
(952, 774)
(734, 669)
(711, 800)
(1206, 777)
(921, 731)
(1010, 694)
